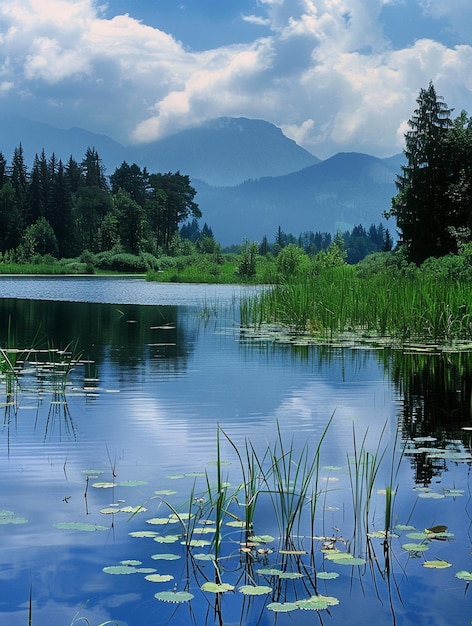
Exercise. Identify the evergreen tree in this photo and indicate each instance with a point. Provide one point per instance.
(73, 174)
(10, 220)
(19, 179)
(177, 206)
(421, 206)
(34, 208)
(131, 221)
(93, 170)
(131, 179)
(3, 170)
(60, 213)
(459, 142)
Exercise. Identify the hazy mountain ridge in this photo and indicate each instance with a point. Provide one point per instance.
(250, 178)
(337, 194)
(226, 151)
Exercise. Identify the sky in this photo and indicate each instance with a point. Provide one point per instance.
(334, 75)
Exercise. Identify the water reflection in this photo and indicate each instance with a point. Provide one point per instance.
(144, 404)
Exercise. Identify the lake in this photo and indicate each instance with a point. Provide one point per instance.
(134, 415)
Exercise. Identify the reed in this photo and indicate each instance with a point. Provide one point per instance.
(293, 481)
(363, 470)
(253, 480)
(339, 300)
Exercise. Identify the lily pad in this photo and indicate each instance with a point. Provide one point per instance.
(120, 569)
(217, 588)
(236, 524)
(132, 483)
(344, 558)
(269, 571)
(159, 578)
(165, 492)
(79, 526)
(167, 538)
(317, 603)
(463, 575)
(180, 517)
(203, 557)
(205, 530)
(197, 543)
(255, 590)
(165, 557)
(8, 517)
(143, 533)
(328, 575)
(157, 521)
(415, 547)
(381, 534)
(104, 485)
(174, 596)
(439, 564)
(256, 539)
(282, 607)
(417, 535)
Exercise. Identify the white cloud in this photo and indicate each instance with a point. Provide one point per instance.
(326, 73)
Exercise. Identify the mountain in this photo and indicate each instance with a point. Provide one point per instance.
(225, 152)
(36, 136)
(337, 194)
(250, 178)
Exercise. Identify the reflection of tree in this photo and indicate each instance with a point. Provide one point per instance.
(126, 335)
(437, 391)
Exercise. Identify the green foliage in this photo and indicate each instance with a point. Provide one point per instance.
(432, 207)
(247, 264)
(38, 239)
(292, 260)
(122, 262)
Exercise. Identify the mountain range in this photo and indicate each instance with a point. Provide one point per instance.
(250, 178)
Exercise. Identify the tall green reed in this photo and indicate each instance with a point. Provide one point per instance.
(292, 481)
(339, 300)
(363, 469)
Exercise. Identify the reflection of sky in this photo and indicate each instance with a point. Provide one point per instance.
(153, 420)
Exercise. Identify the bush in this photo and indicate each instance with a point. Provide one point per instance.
(121, 262)
(150, 261)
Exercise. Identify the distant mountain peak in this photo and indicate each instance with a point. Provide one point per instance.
(226, 151)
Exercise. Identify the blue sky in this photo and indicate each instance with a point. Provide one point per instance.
(335, 75)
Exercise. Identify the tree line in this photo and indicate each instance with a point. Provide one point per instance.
(62, 209)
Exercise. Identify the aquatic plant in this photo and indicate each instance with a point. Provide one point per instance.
(339, 301)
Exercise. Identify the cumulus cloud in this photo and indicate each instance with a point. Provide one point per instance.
(325, 72)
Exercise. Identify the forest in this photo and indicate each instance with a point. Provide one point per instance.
(125, 221)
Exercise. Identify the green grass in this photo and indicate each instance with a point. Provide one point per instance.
(338, 300)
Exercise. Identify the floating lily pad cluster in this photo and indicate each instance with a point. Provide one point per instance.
(208, 530)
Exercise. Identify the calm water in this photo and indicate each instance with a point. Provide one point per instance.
(157, 378)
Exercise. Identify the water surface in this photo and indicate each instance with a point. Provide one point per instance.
(157, 379)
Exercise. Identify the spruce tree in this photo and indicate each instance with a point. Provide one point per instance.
(422, 207)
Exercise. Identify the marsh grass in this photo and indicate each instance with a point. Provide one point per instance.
(338, 300)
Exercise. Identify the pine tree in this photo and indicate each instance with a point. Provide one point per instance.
(421, 206)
